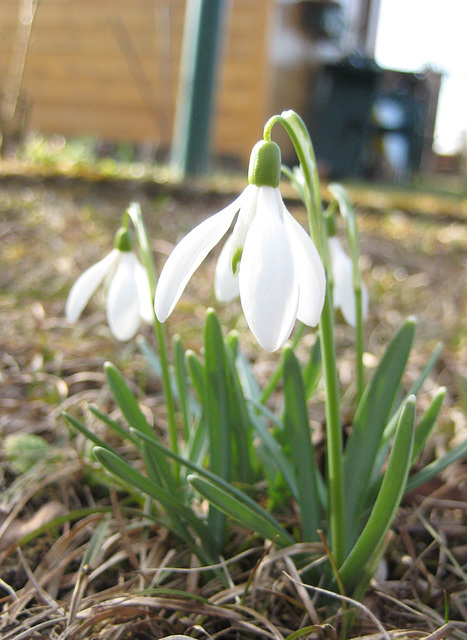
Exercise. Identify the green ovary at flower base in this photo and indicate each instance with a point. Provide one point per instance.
(269, 260)
(128, 292)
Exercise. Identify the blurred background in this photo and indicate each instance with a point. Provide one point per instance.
(381, 84)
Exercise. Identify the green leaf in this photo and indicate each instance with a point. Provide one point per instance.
(216, 400)
(113, 424)
(243, 512)
(226, 486)
(125, 399)
(392, 424)
(388, 499)
(372, 415)
(151, 356)
(90, 435)
(312, 370)
(135, 418)
(437, 466)
(197, 373)
(182, 386)
(427, 422)
(298, 431)
(240, 425)
(180, 515)
(276, 455)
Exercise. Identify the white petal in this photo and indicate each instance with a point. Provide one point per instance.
(226, 285)
(123, 311)
(146, 307)
(310, 272)
(86, 285)
(343, 292)
(268, 282)
(245, 217)
(188, 255)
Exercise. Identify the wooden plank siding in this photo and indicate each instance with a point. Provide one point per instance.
(109, 68)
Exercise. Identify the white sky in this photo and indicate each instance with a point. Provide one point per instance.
(413, 34)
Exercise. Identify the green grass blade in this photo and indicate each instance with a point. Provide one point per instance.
(312, 370)
(388, 499)
(183, 394)
(392, 424)
(276, 455)
(113, 424)
(151, 356)
(216, 401)
(241, 427)
(196, 371)
(79, 426)
(135, 418)
(227, 487)
(179, 515)
(243, 512)
(125, 399)
(427, 422)
(371, 418)
(437, 466)
(298, 431)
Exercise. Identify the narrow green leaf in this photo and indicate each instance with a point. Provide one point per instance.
(241, 511)
(79, 426)
(388, 498)
(197, 446)
(158, 469)
(94, 546)
(427, 422)
(180, 515)
(297, 426)
(196, 370)
(372, 415)
(437, 466)
(226, 486)
(182, 387)
(114, 425)
(312, 370)
(240, 425)
(151, 356)
(422, 433)
(392, 424)
(125, 399)
(217, 414)
(276, 454)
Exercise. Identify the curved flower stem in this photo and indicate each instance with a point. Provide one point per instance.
(134, 213)
(300, 138)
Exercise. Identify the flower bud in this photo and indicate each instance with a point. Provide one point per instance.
(122, 240)
(265, 164)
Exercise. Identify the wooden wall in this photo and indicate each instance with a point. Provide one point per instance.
(109, 68)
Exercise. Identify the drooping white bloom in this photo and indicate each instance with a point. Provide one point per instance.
(128, 293)
(269, 260)
(343, 289)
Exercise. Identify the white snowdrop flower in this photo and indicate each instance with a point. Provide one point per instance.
(128, 293)
(269, 259)
(343, 290)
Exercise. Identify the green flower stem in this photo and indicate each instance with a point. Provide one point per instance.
(300, 138)
(134, 213)
(348, 214)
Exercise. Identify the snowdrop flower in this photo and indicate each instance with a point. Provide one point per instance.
(128, 293)
(269, 259)
(343, 289)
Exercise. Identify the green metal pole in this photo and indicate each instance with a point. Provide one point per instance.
(195, 100)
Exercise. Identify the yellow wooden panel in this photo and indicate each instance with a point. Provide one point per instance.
(110, 68)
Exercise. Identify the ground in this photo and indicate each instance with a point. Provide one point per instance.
(53, 584)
